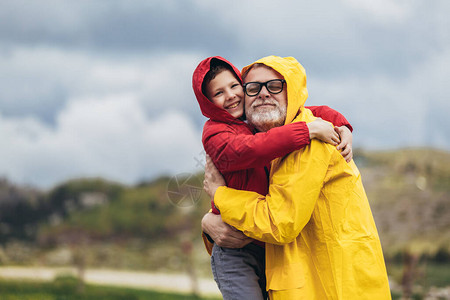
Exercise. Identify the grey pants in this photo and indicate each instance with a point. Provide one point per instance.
(240, 273)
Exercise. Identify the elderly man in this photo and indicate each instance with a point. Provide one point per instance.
(321, 239)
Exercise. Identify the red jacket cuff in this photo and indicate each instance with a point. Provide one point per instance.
(301, 134)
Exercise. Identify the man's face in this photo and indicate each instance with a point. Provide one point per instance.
(265, 110)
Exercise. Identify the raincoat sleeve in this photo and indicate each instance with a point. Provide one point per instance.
(231, 152)
(330, 115)
(278, 217)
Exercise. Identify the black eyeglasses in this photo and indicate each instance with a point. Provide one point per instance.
(274, 86)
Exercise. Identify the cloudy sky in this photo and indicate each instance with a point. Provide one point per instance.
(103, 88)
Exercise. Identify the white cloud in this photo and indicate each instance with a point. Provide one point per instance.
(109, 137)
(125, 118)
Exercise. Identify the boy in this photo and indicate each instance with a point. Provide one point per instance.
(243, 158)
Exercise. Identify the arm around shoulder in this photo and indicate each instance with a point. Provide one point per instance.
(232, 151)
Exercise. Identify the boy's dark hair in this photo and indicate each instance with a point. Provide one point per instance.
(216, 67)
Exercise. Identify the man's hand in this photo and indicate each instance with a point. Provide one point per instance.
(323, 130)
(223, 234)
(213, 178)
(346, 143)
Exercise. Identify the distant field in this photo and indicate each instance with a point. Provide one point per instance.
(67, 289)
(428, 275)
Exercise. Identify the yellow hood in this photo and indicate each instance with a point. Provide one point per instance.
(295, 76)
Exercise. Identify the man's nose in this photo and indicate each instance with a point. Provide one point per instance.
(264, 93)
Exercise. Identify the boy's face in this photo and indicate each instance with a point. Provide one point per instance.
(226, 92)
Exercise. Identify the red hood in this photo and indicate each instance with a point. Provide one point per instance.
(209, 109)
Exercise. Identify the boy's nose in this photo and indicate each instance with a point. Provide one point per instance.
(230, 95)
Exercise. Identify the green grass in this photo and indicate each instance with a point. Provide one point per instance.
(437, 275)
(67, 289)
(428, 274)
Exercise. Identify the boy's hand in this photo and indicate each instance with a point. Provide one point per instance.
(323, 130)
(213, 178)
(346, 142)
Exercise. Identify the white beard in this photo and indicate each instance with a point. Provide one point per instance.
(265, 119)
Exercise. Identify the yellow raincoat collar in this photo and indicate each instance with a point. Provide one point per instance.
(295, 76)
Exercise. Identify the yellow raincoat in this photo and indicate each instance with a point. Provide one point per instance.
(321, 238)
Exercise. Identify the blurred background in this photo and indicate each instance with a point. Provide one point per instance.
(101, 170)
